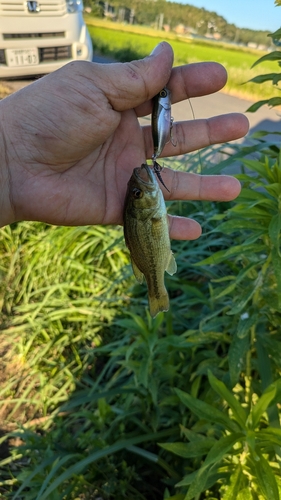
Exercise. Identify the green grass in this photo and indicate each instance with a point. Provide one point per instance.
(127, 43)
(131, 407)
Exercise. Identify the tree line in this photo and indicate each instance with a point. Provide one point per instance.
(175, 16)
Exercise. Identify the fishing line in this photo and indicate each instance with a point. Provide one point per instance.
(198, 150)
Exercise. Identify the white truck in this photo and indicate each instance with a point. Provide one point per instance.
(37, 37)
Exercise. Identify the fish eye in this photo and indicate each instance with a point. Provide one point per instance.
(137, 193)
(163, 93)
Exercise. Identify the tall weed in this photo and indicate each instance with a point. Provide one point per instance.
(176, 407)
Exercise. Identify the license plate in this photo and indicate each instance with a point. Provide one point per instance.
(22, 57)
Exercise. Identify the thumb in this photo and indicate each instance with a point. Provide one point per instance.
(127, 85)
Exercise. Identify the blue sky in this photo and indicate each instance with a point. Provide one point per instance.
(253, 14)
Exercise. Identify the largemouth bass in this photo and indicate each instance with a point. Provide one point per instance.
(146, 234)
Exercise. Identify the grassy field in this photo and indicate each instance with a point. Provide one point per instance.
(132, 42)
(108, 403)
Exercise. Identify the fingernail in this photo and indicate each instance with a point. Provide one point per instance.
(157, 49)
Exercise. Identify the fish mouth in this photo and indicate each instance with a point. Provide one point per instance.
(144, 174)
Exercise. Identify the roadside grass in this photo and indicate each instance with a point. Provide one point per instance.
(107, 402)
(126, 43)
(59, 290)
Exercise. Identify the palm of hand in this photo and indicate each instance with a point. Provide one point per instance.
(74, 177)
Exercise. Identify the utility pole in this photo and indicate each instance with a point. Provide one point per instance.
(132, 15)
(161, 20)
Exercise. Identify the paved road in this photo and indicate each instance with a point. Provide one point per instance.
(220, 103)
(204, 107)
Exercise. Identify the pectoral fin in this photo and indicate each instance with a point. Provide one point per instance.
(172, 265)
(138, 274)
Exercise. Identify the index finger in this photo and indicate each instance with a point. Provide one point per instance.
(191, 80)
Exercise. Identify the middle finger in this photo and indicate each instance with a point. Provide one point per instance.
(197, 134)
(191, 80)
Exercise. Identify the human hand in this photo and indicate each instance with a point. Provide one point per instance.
(71, 140)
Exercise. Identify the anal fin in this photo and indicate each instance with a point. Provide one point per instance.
(172, 265)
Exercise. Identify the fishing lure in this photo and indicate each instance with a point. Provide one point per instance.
(161, 125)
(161, 121)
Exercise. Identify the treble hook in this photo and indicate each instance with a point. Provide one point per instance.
(157, 169)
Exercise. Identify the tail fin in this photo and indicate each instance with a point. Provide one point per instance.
(158, 304)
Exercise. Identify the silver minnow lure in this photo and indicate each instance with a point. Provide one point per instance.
(161, 121)
(161, 125)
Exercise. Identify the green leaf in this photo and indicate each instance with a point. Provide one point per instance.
(59, 462)
(257, 105)
(276, 261)
(236, 356)
(222, 255)
(276, 34)
(259, 167)
(271, 56)
(187, 479)
(274, 101)
(249, 195)
(269, 435)
(215, 455)
(222, 447)
(79, 466)
(220, 388)
(245, 494)
(205, 411)
(236, 479)
(188, 450)
(245, 324)
(241, 275)
(198, 485)
(178, 496)
(266, 479)
(262, 405)
(275, 77)
(264, 362)
(242, 302)
(232, 225)
(144, 371)
(274, 229)
(246, 297)
(274, 189)
(140, 325)
(152, 457)
(38, 470)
